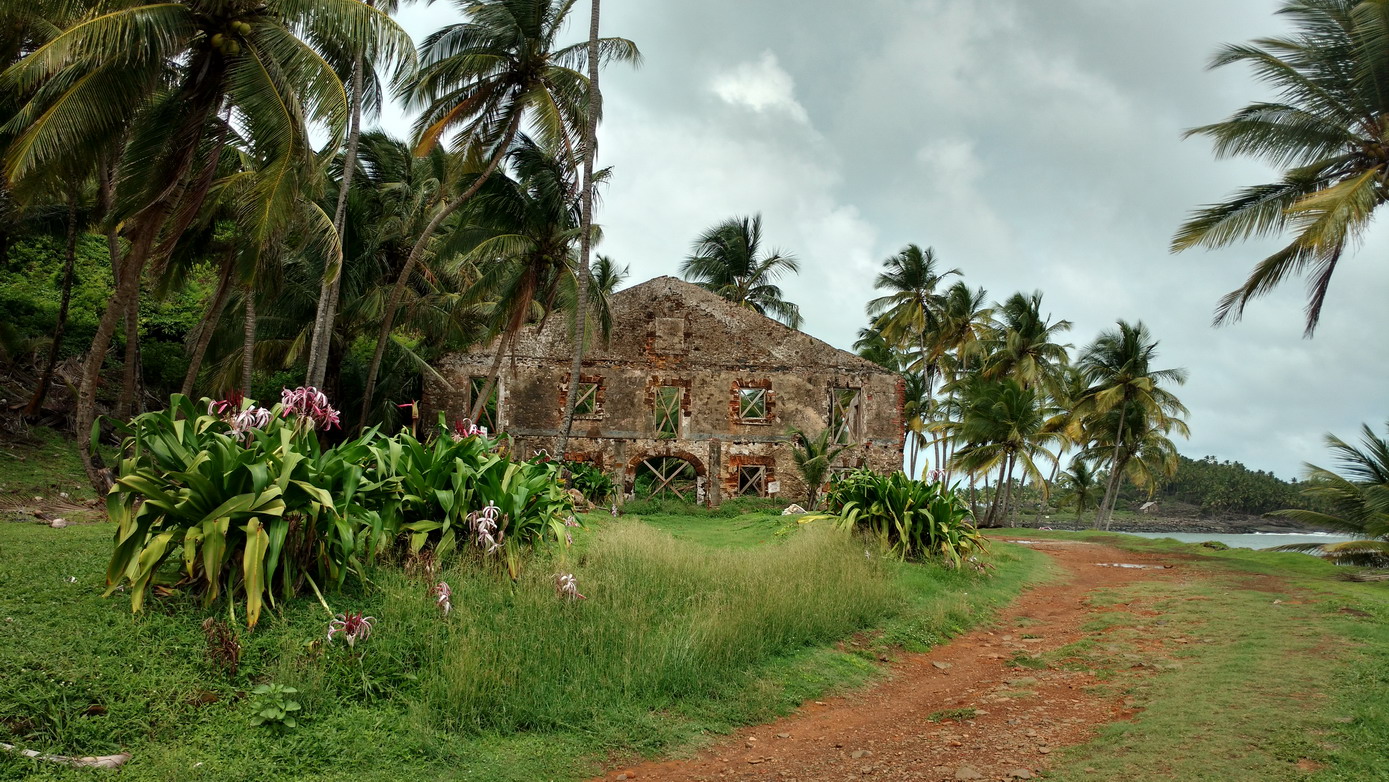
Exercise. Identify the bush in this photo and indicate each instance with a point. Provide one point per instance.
(912, 519)
(591, 482)
(251, 504)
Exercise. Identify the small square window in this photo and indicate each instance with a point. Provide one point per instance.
(752, 404)
(587, 403)
(667, 412)
(752, 480)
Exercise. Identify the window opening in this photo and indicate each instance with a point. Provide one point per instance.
(752, 404)
(752, 480)
(668, 412)
(587, 403)
(665, 477)
(845, 412)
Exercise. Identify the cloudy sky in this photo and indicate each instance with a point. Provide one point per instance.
(1033, 145)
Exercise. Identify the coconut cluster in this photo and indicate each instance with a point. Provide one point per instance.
(226, 43)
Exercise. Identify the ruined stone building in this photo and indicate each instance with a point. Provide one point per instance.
(692, 397)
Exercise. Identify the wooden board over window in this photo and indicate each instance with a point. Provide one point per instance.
(587, 402)
(752, 480)
(752, 404)
(667, 411)
(846, 414)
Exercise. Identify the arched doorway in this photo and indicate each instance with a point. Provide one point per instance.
(666, 477)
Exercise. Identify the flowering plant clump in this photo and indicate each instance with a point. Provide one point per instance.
(311, 404)
(566, 587)
(466, 428)
(353, 626)
(241, 421)
(442, 593)
(484, 524)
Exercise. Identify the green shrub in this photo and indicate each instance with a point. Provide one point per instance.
(912, 519)
(251, 504)
(591, 482)
(436, 491)
(248, 510)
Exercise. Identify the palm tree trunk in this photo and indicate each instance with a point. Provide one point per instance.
(911, 457)
(1008, 487)
(248, 343)
(480, 402)
(331, 286)
(1111, 491)
(130, 369)
(398, 290)
(998, 494)
(209, 324)
(595, 108)
(205, 93)
(35, 405)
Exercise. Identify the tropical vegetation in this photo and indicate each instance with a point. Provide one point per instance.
(1353, 501)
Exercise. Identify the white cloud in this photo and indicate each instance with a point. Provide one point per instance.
(762, 86)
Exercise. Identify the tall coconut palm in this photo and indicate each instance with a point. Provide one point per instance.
(160, 74)
(1126, 394)
(1002, 425)
(532, 223)
(482, 80)
(1323, 129)
(872, 345)
(909, 315)
(1022, 342)
(727, 259)
(590, 148)
(365, 97)
(1356, 501)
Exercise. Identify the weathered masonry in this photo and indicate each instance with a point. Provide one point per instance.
(692, 397)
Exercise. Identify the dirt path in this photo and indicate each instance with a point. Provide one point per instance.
(1020, 715)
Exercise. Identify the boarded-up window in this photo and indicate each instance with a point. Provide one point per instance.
(752, 480)
(846, 413)
(587, 403)
(752, 404)
(667, 412)
(488, 416)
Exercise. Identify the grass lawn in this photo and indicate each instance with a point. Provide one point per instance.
(692, 626)
(1266, 666)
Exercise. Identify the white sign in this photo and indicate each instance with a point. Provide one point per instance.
(773, 487)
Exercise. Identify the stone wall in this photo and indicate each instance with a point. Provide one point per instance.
(668, 333)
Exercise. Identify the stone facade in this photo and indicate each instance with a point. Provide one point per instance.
(686, 375)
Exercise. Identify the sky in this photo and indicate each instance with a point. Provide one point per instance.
(1034, 146)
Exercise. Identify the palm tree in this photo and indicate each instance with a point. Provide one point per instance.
(872, 345)
(1324, 129)
(909, 315)
(1002, 425)
(532, 225)
(727, 259)
(1022, 342)
(916, 411)
(481, 80)
(1079, 487)
(160, 75)
(813, 457)
(363, 70)
(1126, 397)
(590, 148)
(1356, 502)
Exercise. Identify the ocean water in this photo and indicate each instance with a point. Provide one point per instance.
(1255, 540)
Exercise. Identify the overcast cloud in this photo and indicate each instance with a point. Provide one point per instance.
(1033, 145)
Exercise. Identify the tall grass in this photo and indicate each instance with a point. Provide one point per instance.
(663, 620)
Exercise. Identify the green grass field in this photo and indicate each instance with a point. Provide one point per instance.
(692, 626)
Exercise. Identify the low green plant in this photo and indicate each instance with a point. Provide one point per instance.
(249, 509)
(911, 519)
(271, 705)
(953, 715)
(590, 481)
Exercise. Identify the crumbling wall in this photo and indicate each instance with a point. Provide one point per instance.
(668, 333)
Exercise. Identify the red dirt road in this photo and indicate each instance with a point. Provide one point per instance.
(1021, 715)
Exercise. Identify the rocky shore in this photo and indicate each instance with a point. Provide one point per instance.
(1231, 525)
